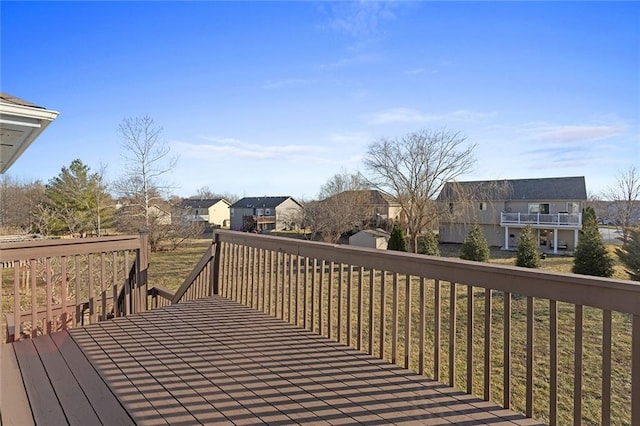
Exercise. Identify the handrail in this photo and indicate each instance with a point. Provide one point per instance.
(83, 272)
(564, 220)
(33, 249)
(192, 278)
(162, 292)
(160, 296)
(622, 295)
(301, 281)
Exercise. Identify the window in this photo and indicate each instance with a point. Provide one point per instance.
(267, 212)
(483, 206)
(573, 208)
(259, 212)
(542, 208)
(450, 207)
(231, 212)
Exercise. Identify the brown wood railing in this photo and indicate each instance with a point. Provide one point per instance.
(519, 337)
(201, 282)
(50, 285)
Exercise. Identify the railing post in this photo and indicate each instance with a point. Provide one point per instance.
(214, 287)
(635, 370)
(142, 266)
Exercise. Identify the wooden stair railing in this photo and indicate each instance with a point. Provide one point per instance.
(201, 282)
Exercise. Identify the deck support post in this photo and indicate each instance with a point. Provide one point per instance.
(142, 266)
(216, 251)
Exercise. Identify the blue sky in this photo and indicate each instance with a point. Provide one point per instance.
(274, 98)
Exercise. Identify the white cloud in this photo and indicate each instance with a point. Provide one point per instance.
(359, 19)
(354, 138)
(234, 148)
(409, 115)
(415, 71)
(276, 84)
(353, 60)
(580, 133)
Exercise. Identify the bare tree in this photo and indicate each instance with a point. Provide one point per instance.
(18, 201)
(624, 199)
(414, 168)
(343, 206)
(142, 189)
(205, 193)
(147, 160)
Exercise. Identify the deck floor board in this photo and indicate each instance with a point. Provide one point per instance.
(213, 361)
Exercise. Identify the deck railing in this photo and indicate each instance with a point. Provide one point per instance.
(522, 338)
(201, 282)
(569, 220)
(49, 285)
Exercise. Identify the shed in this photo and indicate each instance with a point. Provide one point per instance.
(371, 238)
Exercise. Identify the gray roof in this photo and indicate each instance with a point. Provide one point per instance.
(560, 188)
(261, 202)
(10, 99)
(197, 203)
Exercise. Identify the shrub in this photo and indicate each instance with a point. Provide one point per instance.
(475, 246)
(592, 257)
(629, 254)
(428, 244)
(528, 254)
(397, 240)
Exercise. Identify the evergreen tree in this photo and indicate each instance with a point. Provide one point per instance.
(589, 217)
(397, 241)
(629, 254)
(475, 246)
(528, 254)
(428, 244)
(77, 200)
(591, 257)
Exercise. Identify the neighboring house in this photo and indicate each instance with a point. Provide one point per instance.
(160, 215)
(371, 238)
(21, 122)
(383, 207)
(214, 212)
(257, 214)
(552, 206)
(377, 206)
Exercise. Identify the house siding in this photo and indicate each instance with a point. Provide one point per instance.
(565, 195)
(219, 214)
(284, 213)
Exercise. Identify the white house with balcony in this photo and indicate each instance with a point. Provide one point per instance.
(502, 208)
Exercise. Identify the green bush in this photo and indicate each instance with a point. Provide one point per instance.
(629, 254)
(591, 257)
(475, 246)
(528, 254)
(397, 240)
(428, 244)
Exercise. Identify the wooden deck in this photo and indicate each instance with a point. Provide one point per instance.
(213, 361)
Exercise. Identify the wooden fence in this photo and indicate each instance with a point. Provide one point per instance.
(50, 285)
(516, 336)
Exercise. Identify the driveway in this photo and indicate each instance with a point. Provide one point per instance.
(610, 235)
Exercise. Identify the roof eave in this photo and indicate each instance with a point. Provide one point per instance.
(32, 120)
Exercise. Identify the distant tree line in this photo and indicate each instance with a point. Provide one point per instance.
(80, 202)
